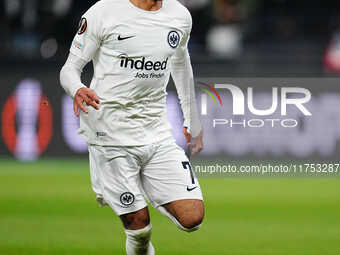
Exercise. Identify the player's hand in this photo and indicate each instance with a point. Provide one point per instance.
(85, 95)
(196, 144)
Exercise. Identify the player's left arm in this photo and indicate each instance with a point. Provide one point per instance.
(182, 74)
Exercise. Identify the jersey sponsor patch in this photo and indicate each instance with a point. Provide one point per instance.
(173, 39)
(127, 198)
(78, 45)
(143, 64)
(82, 26)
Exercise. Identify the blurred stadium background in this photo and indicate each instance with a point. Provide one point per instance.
(46, 205)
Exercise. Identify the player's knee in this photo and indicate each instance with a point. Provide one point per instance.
(191, 223)
(186, 214)
(137, 220)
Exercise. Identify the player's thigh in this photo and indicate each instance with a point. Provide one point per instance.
(118, 178)
(169, 177)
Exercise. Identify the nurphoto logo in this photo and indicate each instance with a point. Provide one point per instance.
(243, 102)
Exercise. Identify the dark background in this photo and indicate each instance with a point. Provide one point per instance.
(265, 38)
(257, 37)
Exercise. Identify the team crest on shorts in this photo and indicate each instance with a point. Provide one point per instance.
(127, 198)
(173, 39)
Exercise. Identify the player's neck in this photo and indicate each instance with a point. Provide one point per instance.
(148, 5)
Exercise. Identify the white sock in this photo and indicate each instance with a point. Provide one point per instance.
(138, 241)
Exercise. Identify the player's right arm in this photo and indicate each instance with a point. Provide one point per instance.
(71, 82)
(84, 47)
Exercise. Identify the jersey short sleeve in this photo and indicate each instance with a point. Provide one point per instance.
(89, 34)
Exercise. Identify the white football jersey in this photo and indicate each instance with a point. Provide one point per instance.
(132, 52)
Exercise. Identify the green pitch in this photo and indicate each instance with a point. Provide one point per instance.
(48, 208)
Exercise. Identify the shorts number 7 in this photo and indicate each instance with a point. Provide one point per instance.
(186, 165)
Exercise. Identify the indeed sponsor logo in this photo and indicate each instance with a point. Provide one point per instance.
(142, 64)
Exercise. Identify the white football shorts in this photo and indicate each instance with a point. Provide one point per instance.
(125, 177)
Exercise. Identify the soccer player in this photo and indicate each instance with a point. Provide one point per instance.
(135, 45)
